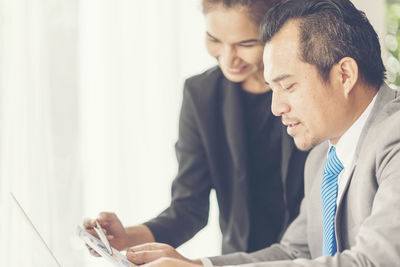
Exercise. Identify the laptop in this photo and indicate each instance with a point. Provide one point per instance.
(116, 258)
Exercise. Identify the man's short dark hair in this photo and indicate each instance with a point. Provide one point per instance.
(329, 31)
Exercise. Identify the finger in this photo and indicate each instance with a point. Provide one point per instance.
(160, 262)
(105, 218)
(92, 251)
(92, 232)
(142, 257)
(89, 223)
(149, 247)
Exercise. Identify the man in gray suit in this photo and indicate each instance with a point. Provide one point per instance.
(322, 60)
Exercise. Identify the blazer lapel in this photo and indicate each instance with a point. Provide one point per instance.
(235, 128)
(287, 148)
(232, 110)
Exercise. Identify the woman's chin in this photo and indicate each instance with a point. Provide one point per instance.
(237, 78)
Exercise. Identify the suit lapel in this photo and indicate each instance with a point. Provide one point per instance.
(384, 95)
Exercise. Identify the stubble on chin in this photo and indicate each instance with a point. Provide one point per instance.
(306, 143)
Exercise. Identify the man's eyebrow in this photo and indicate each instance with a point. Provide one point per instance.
(241, 42)
(279, 78)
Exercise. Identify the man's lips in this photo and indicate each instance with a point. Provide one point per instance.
(291, 127)
(290, 124)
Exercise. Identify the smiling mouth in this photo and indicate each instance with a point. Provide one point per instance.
(291, 125)
(237, 71)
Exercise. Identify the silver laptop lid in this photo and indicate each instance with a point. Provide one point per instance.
(28, 220)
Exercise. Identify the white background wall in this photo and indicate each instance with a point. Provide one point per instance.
(90, 92)
(375, 11)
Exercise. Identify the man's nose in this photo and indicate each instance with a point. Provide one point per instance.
(279, 105)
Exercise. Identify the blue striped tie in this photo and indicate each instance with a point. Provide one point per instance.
(333, 167)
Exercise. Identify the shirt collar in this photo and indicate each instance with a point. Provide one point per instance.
(346, 146)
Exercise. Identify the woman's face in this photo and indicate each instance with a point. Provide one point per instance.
(232, 38)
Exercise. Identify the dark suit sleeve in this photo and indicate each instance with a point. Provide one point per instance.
(189, 207)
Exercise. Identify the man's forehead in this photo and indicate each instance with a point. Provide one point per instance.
(288, 35)
(281, 50)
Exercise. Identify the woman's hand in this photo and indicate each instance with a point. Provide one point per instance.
(150, 252)
(113, 229)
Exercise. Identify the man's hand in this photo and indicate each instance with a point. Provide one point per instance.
(170, 262)
(113, 229)
(150, 252)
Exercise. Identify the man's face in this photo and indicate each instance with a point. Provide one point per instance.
(312, 110)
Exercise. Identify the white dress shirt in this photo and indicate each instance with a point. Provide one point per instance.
(346, 147)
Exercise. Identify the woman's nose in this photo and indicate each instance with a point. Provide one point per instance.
(229, 56)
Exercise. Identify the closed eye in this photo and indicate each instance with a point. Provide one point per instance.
(249, 43)
(212, 39)
(290, 86)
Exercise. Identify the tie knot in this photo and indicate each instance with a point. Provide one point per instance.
(333, 165)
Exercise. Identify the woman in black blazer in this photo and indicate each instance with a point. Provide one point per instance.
(229, 142)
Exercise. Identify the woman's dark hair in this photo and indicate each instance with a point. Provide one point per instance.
(256, 8)
(329, 31)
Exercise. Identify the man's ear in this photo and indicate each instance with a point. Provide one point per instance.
(347, 69)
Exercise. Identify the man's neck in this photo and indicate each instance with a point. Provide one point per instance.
(359, 99)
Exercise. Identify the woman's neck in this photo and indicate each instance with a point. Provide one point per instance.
(255, 84)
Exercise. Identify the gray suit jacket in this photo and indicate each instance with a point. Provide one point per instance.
(368, 213)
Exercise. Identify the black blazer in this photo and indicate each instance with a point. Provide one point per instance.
(211, 152)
